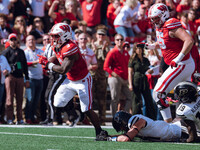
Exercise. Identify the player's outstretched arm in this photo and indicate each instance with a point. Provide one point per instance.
(131, 133)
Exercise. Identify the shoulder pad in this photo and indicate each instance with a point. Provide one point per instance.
(172, 23)
(70, 49)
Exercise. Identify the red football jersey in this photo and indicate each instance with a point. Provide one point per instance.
(170, 47)
(79, 69)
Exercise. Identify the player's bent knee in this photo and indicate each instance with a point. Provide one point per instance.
(58, 104)
(160, 99)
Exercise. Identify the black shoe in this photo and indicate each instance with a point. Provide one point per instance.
(46, 122)
(102, 136)
(74, 122)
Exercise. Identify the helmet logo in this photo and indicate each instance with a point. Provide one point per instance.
(182, 92)
(65, 28)
(162, 8)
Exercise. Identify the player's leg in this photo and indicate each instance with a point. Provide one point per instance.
(169, 79)
(64, 94)
(84, 91)
(165, 84)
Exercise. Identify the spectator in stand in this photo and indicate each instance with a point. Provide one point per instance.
(184, 21)
(77, 32)
(148, 4)
(183, 6)
(123, 21)
(143, 26)
(14, 82)
(4, 71)
(99, 88)
(138, 83)
(112, 12)
(87, 52)
(192, 24)
(91, 13)
(69, 9)
(45, 41)
(82, 25)
(20, 8)
(104, 7)
(36, 78)
(37, 30)
(20, 29)
(5, 30)
(116, 64)
(61, 14)
(48, 22)
(38, 8)
(5, 6)
(74, 7)
(196, 6)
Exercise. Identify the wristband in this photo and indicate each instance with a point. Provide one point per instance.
(50, 66)
(179, 57)
(136, 129)
(114, 139)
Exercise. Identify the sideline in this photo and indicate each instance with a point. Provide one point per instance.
(53, 126)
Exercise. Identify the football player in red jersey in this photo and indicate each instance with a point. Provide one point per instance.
(79, 80)
(175, 44)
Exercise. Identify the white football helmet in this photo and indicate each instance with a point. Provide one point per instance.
(158, 13)
(60, 33)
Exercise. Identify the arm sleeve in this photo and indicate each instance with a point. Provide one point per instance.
(107, 63)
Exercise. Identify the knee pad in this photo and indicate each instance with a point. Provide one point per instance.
(160, 99)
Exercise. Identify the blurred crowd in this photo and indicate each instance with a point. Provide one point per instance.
(97, 26)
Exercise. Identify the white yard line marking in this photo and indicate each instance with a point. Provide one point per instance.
(57, 136)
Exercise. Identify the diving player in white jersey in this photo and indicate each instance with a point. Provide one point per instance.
(142, 126)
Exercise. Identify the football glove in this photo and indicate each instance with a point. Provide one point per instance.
(175, 61)
(43, 60)
(173, 64)
(171, 101)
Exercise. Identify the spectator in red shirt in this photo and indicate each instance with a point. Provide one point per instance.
(112, 11)
(61, 14)
(116, 64)
(143, 26)
(192, 24)
(196, 6)
(184, 5)
(91, 13)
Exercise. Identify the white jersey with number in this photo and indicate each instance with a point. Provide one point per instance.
(157, 129)
(190, 111)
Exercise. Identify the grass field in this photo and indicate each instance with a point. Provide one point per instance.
(79, 138)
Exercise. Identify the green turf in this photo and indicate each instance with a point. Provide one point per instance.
(74, 139)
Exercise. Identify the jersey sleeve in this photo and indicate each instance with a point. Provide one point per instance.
(172, 24)
(70, 49)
